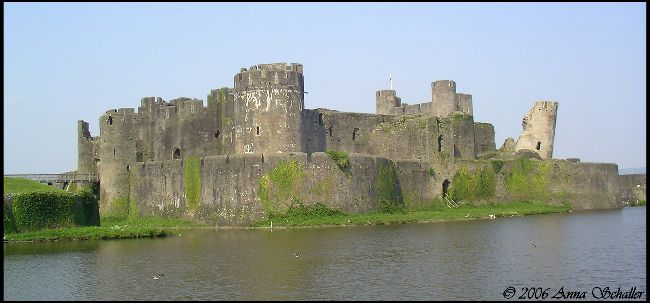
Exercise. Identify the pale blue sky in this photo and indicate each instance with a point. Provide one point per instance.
(69, 62)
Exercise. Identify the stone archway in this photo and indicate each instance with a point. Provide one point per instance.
(445, 188)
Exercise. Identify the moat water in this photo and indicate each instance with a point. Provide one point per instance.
(581, 252)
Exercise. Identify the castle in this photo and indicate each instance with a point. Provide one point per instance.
(254, 150)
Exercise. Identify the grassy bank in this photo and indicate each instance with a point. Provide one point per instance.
(108, 229)
(20, 185)
(319, 215)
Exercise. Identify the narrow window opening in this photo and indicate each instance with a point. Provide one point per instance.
(113, 152)
(258, 130)
(177, 153)
(128, 167)
(329, 129)
(217, 134)
(539, 145)
(110, 120)
(320, 119)
(440, 143)
(354, 134)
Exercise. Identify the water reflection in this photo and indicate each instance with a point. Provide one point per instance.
(454, 260)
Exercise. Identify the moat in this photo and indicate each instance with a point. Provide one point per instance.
(428, 261)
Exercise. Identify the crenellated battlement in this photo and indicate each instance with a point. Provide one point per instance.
(270, 76)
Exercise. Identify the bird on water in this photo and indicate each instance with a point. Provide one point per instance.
(156, 277)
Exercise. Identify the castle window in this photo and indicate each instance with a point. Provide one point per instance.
(177, 153)
(320, 119)
(354, 133)
(128, 167)
(539, 145)
(329, 129)
(110, 120)
(449, 83)
(440, 143)
(258, 130)
(217, 134)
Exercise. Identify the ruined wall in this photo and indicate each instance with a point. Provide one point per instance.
(387, 102)
(230, 185)
(87, 149)
(633, 188)
(539, 129)
(269, 99)
(464, 102)
(444, 102)
(484, 138)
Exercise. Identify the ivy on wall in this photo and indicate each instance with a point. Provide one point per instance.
(279, 188)
(473, 185)
(192, 179)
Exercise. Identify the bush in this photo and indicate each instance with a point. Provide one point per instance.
(40, 210)
(33, 211)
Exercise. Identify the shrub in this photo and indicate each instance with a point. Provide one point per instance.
(340, 158)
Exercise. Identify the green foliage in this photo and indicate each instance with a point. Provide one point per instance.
(20, 185)
(459, 116)
(340, 158)
(192, 179)
(38, 210)
(497, 165)
(8, 223)
(641, 203)
(325, 187)
(278, 189)
(386, 189)
(432, 172)
(86, 207)
(423, 123)
(528, 179)
(433, 212)
(119, 209)
(300, 212)
(479, 184)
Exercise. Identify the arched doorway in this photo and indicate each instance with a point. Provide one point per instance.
(177, 153)
(445, 188)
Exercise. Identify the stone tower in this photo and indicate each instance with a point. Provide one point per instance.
(269, 99)
(539, 129)
(387, 100)
(86, 152)
(117, 151)
(443, 98)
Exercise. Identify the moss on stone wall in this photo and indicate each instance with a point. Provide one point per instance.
(341, 159)
(473, 185)
(278, 189)
(325, 187)
(528, 178)
(192, 182)
(387, 189)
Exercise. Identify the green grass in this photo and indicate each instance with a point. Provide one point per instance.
(20, 185)
(318, 217)
(109, 229)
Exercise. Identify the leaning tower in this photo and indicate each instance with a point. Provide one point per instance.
(269, 99)
(539, 129)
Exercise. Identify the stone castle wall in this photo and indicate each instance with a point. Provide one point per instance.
(243, 133)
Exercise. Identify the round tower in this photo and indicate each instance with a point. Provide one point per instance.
(117, 153)
(387, 100)
(269, 99)
(443, 97)
(539, 129)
